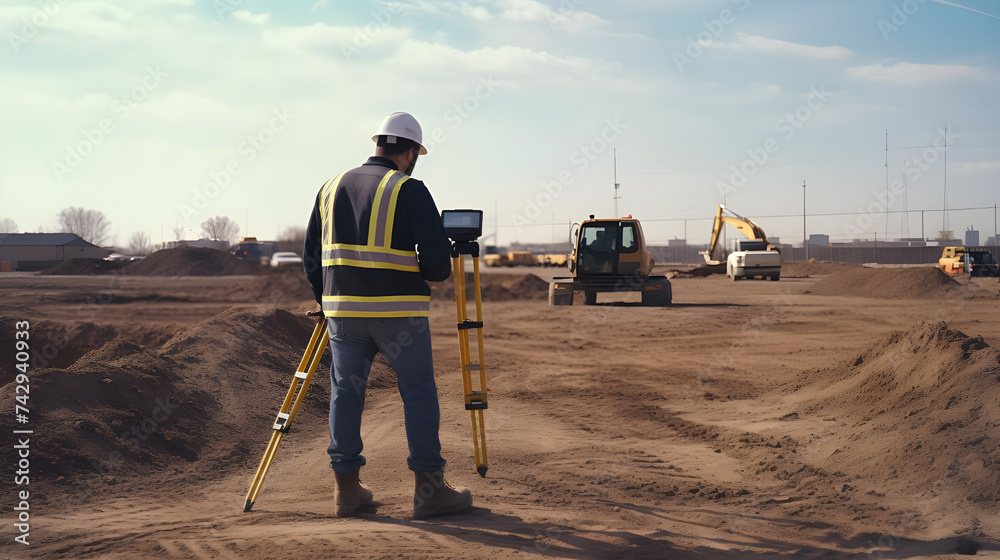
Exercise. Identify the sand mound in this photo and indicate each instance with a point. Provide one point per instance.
(887, 283)
(207, 397)
(813, 267)
(704, 270)
(191, 261)
(282, 287)
(78, 266)
(919, 412)
(495, 287)
(59, 345)
(507, 286)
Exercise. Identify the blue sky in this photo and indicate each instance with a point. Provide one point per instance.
(167, 112)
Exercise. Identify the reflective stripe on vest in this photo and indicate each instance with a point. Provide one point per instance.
(326, 202)
(362, 256)
(376, 306)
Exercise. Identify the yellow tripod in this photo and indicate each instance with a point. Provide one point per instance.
(475, 397)
(290, 406)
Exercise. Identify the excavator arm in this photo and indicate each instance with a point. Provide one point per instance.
(746, 226)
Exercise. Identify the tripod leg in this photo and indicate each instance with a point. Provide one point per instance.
(265, 465)
(475, 401)
(478, 427)
(290, 406)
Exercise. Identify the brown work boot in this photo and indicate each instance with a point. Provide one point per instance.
(433, 496)
(351, 496)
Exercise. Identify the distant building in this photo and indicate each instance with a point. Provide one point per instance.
(971, 237)
(38, 251)
(819, 240)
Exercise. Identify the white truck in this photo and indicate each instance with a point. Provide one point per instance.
(753, 259)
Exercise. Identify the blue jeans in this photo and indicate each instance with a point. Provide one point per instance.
(406, 345)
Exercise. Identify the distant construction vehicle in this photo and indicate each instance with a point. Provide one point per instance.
(754, 257)
(610, 255)
(523, 258)
(975, 261)
(257, 252)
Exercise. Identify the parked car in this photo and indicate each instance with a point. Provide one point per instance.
(283, 258)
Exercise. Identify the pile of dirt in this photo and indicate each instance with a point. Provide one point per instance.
(897, 283)
(281, 287)
(80, 266)
(191, 261)
(919, 415)
(207, 396)
(495, 287)
(59, 345)
(504, 287)
(704, 270)
(813, 267)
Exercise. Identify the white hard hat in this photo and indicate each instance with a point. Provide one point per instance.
(401, 125)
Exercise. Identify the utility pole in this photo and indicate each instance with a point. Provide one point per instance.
(617, 184)
(945, 220)
(887, 181)
(805, 242)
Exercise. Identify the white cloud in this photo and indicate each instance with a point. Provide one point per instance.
(321, 37)
(319, 4)
(776, 47)
(509, 64)
(249, 17)
(478, 13)
(978, 167)
(568, 17)
(897, 72)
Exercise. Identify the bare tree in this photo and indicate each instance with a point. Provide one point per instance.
(8, 225)
(139, 244)
(220, 228)
(179, 233)
(295, 235)
(91, 225)
(292, 239)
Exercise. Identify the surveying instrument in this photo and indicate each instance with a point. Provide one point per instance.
(463, 227)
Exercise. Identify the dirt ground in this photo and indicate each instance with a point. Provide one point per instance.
(842, 412)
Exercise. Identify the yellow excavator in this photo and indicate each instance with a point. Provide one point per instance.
(756, 256)
(610, 255)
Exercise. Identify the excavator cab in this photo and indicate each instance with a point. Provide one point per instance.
(608, 247)
(610, 255)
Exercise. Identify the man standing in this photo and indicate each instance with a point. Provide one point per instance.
(373, 240)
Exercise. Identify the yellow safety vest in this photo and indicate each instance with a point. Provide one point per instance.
(377, 253)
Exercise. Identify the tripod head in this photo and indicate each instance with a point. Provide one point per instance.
(463, 227)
